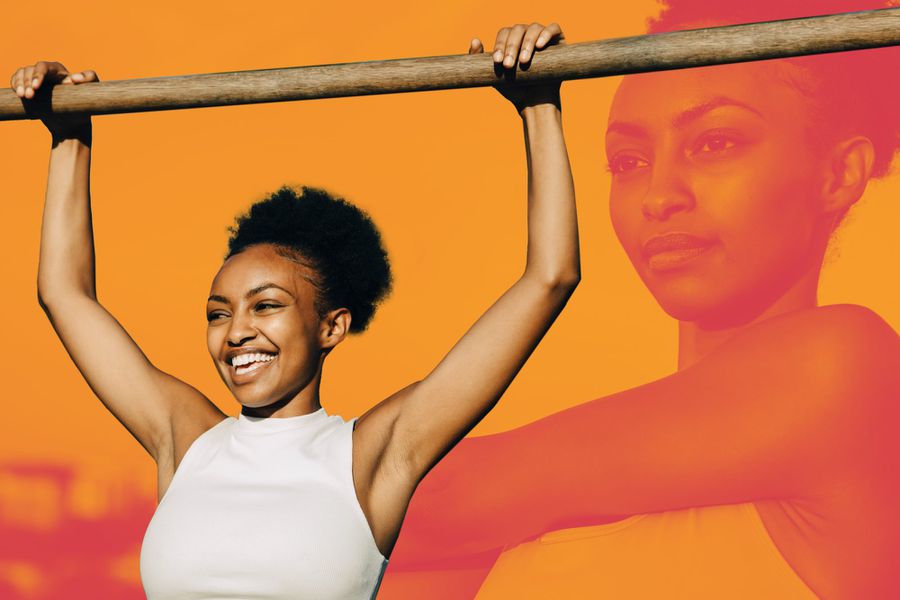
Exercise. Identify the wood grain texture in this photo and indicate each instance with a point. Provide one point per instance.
(618, 56)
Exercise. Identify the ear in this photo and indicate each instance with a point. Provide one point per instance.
(849, 167)
(334, 328)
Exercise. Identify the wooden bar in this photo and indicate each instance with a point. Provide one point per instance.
(617, 56)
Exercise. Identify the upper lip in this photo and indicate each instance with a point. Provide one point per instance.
(246, 350)
(674, 240)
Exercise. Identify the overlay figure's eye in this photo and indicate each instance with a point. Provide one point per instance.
(624, 163)
(714, 143)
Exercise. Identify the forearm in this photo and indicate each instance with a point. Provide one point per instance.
(552, 223)
(67, 247)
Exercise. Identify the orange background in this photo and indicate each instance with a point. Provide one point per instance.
(442, 173)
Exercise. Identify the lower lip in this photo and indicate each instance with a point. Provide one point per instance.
(672, 259)
(250, 375)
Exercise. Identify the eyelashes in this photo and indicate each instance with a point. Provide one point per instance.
(711, 145)
(716, 142)
(262, 306)
(623, 163)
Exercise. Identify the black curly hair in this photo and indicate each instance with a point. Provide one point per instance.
(336, 239)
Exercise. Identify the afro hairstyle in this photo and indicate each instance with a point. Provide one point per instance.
(336, 239)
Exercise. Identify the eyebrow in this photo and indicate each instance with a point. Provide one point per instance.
(683, 118)
(251, 293)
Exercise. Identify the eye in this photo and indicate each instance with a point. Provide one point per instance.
(214, 316)
(266, 306)
(714, 143)
(623, 163)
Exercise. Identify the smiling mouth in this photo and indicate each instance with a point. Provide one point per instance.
(248, 365)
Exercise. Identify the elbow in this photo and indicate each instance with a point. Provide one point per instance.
(42, 301)
(51, 300)
(557, 283)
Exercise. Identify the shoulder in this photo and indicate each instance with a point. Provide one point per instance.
(846, 358)
(840, 340)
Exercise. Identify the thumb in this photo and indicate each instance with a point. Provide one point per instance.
(475, 46)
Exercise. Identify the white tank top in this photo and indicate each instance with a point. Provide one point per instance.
(263, 508)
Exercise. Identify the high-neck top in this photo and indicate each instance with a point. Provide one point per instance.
(263, 508)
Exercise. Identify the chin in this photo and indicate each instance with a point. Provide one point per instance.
(713, 308)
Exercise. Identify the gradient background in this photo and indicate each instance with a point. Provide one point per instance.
(442, 173)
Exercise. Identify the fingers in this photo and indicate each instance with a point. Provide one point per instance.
(475, 46)
(552, 34)
(513, 43)
(529, 41)
(16, 82)
(517, 44)
(27, 80)
(85, 76)
(500, 45)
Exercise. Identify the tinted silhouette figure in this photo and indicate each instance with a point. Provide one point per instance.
(765, 467)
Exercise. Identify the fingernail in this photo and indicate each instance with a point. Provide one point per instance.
(498, 56)
(508, 61)
(34, 82)
(20, 90)
(523, 55)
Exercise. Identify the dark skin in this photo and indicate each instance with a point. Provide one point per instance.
(262, 313)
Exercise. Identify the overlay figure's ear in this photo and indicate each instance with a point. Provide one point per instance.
(848, 169)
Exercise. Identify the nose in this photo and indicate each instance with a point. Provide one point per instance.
(668, 192)
(240, 330)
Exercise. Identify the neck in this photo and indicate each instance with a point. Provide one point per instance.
(696, 340)
(302, 403)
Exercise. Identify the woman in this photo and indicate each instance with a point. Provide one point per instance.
(285, 501)
(765, 467)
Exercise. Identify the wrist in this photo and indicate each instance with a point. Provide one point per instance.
(537, 109)
(82, 134)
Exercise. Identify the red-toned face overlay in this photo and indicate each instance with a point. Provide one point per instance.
(718, 161)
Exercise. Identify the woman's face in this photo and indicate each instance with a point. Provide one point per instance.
(263, 332)
(715, 191)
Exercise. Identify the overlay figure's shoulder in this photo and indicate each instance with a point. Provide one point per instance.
(834, 343)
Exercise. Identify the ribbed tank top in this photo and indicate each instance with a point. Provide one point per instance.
(707, 553)
(263, 509)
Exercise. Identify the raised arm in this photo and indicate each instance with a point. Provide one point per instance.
(140, 396)
(411, 430)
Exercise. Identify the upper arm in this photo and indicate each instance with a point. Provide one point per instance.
(147, 401)
(779, 412)
(791, 406)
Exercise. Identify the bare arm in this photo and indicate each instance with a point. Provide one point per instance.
(139, 395)
(411, 430)
(794, 406)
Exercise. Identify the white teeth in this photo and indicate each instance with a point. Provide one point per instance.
(243, 359)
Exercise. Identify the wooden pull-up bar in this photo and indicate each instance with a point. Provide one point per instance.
(618, 56)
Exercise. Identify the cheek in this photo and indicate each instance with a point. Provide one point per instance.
(213, 342)
(763, 213)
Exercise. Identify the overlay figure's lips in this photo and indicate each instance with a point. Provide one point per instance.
(674, 249)
(674, 241)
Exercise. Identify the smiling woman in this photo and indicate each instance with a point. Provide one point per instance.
(294, 262)
(285, 501)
